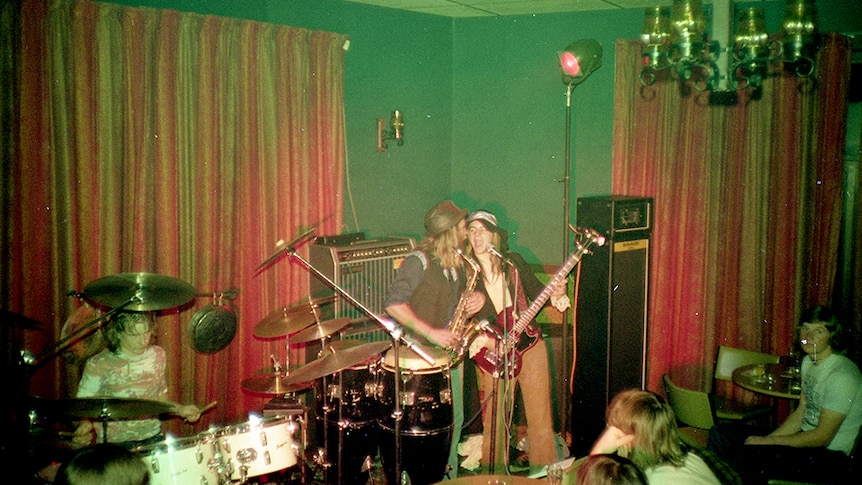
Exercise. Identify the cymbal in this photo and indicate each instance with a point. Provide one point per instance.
(283, 247)
(317, 332)
(337, 362)
(273, 384)
(290, 319)
(18, 320)
(146, 290)
(339, 345)
(102, 408)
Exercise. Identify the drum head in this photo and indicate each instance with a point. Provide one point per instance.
(411, 360)
(212, 328)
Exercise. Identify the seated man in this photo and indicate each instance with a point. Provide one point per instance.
(815, 441)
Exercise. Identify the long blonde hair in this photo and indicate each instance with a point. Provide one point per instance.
(650, 419)
(442, 246)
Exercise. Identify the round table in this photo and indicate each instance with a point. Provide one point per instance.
(493, 480)
(777, 380)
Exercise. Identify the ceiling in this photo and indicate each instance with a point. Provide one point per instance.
(485, 8)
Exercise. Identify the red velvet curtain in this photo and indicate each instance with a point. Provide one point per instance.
(747, 205)
(176, 144)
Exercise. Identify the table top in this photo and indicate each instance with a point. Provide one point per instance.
(778, 380)
(493, 480)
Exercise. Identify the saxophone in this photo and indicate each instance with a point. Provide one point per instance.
(465, 329)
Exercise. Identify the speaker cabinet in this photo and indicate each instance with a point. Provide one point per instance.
(611, 323)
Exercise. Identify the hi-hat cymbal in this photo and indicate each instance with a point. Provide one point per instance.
(273, 384)
(102, 408)
(139, 292)
(337, 362)
(317, 332)
(289, 319)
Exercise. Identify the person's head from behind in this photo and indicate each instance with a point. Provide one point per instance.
(609, 469)
(103, 464)
(642, 426)
(130, 333)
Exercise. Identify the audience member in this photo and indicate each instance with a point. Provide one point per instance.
(641, 426)
(609, 469)
(103, 464)
(814, 442)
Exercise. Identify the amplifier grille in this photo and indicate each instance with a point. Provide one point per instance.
(364, 269)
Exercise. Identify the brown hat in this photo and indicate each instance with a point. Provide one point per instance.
(442, 217)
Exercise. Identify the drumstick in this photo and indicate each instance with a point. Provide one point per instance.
(208, 407)
(202, 410)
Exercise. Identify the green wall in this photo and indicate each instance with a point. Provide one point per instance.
(484, 108)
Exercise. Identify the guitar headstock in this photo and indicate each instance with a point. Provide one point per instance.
(587, 237)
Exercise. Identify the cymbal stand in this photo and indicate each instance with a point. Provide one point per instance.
(65, 342)
(398, 337)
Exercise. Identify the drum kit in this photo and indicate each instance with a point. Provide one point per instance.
(356, 412)
(355, 385)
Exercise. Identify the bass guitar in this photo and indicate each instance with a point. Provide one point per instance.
(520, 338)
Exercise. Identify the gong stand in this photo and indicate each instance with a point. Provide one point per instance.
(398, 338)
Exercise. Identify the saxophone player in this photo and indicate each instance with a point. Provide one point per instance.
(427, 289)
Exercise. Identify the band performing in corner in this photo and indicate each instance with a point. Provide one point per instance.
(454, 340)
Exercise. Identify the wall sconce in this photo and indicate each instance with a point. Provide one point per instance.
(676, 38)
(396, 131)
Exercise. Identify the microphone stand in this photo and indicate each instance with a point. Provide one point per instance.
(495, 398)
(398, 337)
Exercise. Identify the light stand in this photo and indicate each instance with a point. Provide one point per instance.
(578, 61)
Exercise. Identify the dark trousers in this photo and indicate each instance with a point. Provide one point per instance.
(757, 464)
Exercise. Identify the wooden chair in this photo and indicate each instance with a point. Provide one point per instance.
(727, 360)
(693, 409)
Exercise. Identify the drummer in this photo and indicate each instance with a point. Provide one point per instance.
(131, 367)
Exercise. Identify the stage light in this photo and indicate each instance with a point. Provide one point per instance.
(579, 60)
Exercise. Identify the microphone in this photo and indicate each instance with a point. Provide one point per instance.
(486, 327)
(496, 252)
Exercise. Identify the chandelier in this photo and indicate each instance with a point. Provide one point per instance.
(675, 39)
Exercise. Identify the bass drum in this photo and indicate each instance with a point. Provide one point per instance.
(258, 446)
(426, 425)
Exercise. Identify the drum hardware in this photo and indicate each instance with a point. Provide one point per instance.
(125, 291)
(283, 247)
(274, 384)
(291, 319)
(139, 292)
(398, 337)
(17, 320)
(320, 331)
(293, 408)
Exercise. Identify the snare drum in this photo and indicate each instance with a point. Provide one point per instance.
(258, 446)
(181, 461)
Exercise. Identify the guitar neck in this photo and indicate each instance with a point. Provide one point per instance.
(527, 316)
